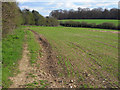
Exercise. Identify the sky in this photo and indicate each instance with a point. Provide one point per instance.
(44, 7)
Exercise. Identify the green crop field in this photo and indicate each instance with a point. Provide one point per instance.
(97, 21)
(90, 55)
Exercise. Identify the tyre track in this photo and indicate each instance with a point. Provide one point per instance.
(48, 63)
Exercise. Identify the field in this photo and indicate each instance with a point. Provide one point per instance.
(97, 21)
(39, 51)
(57, 55)
(89, 55)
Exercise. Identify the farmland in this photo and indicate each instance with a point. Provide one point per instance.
(97, 21)
(45, 51)
(89, 55)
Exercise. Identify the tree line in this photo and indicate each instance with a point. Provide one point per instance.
(12, 17)
(34, 18)
(86, 13)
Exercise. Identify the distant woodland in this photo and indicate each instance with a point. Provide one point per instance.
(86, 13)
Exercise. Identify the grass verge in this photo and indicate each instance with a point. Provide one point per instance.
(12, 47)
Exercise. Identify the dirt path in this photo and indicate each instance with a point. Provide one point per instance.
(24, 68)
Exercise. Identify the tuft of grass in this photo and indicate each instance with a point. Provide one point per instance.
(12, 47)
(31, 75)
(83, 86)
(43, 83)
(37, 84)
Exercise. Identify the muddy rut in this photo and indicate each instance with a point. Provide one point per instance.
(49, 57)
(48, 62)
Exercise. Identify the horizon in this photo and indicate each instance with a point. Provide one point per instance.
(44, 8)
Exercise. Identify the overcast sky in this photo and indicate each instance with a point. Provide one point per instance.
(44, 7)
